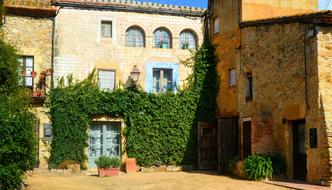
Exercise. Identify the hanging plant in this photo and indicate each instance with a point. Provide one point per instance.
(33, 74)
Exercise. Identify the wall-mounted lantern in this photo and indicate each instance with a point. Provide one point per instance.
(134, 74)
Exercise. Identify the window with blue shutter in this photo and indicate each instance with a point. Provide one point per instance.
(162, 77)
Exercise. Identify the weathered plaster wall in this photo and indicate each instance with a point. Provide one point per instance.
(258, 9)
(226, 42)
(79, 47)
(275, 55)
(33, 37)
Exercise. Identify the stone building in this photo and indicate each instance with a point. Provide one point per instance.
(284, 89)
(28, 25)
(275, 75)
(118, 38)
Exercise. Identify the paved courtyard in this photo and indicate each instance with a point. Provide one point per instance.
(144, 181)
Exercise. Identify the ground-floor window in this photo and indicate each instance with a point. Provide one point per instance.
(104, 139)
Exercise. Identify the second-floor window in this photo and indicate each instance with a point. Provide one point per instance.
(135, 37)
(106, 79)
(162, 39)
(106, 29)
(188, 40)
(216, 25)
(26, 71)
(232, 77)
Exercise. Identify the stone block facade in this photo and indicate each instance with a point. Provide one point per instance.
(79, 47)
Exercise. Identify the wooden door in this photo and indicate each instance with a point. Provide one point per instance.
(299, 151)
(207, 146)
(246, 139)
(228, 141)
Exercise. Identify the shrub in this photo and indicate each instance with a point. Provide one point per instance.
(258, 167)
(108, 162)
(103, 162)
(17, 123)
(115, 162)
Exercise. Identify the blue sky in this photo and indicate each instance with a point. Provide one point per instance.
(323, 4)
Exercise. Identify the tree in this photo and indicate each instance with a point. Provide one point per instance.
(17, 142)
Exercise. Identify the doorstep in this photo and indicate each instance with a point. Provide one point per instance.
(297, 185)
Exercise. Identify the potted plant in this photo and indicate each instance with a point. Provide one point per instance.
(108, 166)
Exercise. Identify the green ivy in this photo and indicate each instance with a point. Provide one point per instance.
(17, 142)
(160, 128)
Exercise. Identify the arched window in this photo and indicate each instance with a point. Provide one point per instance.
(188, 40)
(162, 38)
(135, 37)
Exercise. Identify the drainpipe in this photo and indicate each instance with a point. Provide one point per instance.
(305, 66)
(53, 42)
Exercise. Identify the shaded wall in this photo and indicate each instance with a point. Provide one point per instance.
(226, 42)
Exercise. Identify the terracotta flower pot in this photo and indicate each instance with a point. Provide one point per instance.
(107, 172)
(33, 74)
(130, 165)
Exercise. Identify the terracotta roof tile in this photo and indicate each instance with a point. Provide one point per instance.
(321, 17)
(29, 3)
(34, 8)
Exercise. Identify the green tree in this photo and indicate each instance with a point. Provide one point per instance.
(17, 142)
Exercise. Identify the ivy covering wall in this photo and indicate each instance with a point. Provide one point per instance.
(17, 123)
(160, 128)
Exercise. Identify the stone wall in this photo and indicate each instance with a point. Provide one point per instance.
(276, 55)
(227, 41)
(80, 48)
(33, 37)
(325, 102)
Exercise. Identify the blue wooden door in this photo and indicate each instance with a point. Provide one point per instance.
(104, 139)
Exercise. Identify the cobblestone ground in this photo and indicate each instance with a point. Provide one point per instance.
(144, 181)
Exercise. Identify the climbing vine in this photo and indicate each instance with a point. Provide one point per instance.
(160, 128)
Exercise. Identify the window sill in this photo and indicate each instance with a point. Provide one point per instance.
(135, 47)
(162, 48)
(232, 86)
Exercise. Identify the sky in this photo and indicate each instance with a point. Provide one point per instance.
(323, 4)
